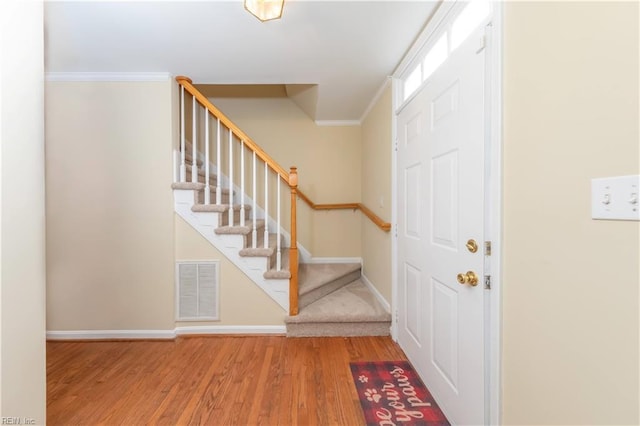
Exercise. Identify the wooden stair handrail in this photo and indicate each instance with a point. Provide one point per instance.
(186, 82)
(385, 226)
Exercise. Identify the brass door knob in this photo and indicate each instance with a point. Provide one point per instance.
(472, 246)
(469, 278)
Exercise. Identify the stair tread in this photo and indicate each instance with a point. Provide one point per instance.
(314, 275)
(196, 186)
(239, 230)
(219, 208)
(284, 272)
(352, 303)
(262, 251)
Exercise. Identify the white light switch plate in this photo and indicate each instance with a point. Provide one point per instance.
(616, 198)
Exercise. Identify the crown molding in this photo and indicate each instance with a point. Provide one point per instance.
(376, 98)
(108, 76)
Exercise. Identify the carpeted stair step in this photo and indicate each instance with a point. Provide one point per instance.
(260, 250)
(284, 272)
(188, 160)
(246, 232)
(199, 188)
(223, 219)
(224, 198)
(350, 311)
(319, 279)
(213, 179)
(270, 254)
(193, 186)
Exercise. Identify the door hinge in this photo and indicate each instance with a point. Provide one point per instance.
(483, 44)
(396, 145)
(487, 282)
(487, 248)
(396, 230)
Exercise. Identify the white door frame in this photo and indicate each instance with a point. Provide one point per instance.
(493, 339)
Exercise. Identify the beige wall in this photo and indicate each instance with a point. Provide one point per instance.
(570, 288)
(109, 206)
(22, 232)
(241, 301)
(328, 161)
(376, 193)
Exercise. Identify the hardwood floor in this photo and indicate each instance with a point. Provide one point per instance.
(221, 380)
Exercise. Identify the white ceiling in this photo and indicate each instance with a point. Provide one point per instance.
(347, 48)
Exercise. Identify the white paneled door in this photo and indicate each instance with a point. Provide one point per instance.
(441, 160)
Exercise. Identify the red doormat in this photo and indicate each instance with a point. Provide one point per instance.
(391, 393)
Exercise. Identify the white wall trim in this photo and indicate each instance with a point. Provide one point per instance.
(337, 123)
(107, 76)
(164, 334)
(496, 50)
(231, 329)
(414, 54)
(376, 98)
(395, 87)
(304, 254)
(110, 334)
(335, 260)
(376, 293)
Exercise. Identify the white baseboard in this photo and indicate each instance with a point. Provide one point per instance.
(231, 329)
(335, 260)
(164, 334)
(110, 334)
(376, 293)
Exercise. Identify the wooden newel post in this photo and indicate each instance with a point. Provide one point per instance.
(181, 78)
(293, 251)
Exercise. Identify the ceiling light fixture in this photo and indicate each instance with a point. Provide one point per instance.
(265, 10)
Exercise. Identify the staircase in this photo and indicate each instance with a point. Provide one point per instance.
(323, 299)
(335, 302)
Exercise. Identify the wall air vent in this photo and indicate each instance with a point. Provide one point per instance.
(197, 290)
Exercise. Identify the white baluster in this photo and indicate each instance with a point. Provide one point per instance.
(194, 143)
(207, 189)
(266, 205)
(219, 169)
(183, 149)
(278, 252)
(231, 178)
(242, 218)
(254, 233)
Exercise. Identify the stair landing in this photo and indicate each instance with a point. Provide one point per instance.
(351, 310)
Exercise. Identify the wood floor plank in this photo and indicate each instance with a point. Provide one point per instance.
(221, 380)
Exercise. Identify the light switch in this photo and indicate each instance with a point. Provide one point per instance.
(615, 198)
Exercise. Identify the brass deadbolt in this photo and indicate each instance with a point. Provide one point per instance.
(472, 246)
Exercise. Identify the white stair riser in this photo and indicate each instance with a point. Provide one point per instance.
(231, 241)
(208, 218)
(255, 263)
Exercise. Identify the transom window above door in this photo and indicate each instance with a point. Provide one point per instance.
(435, 54)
